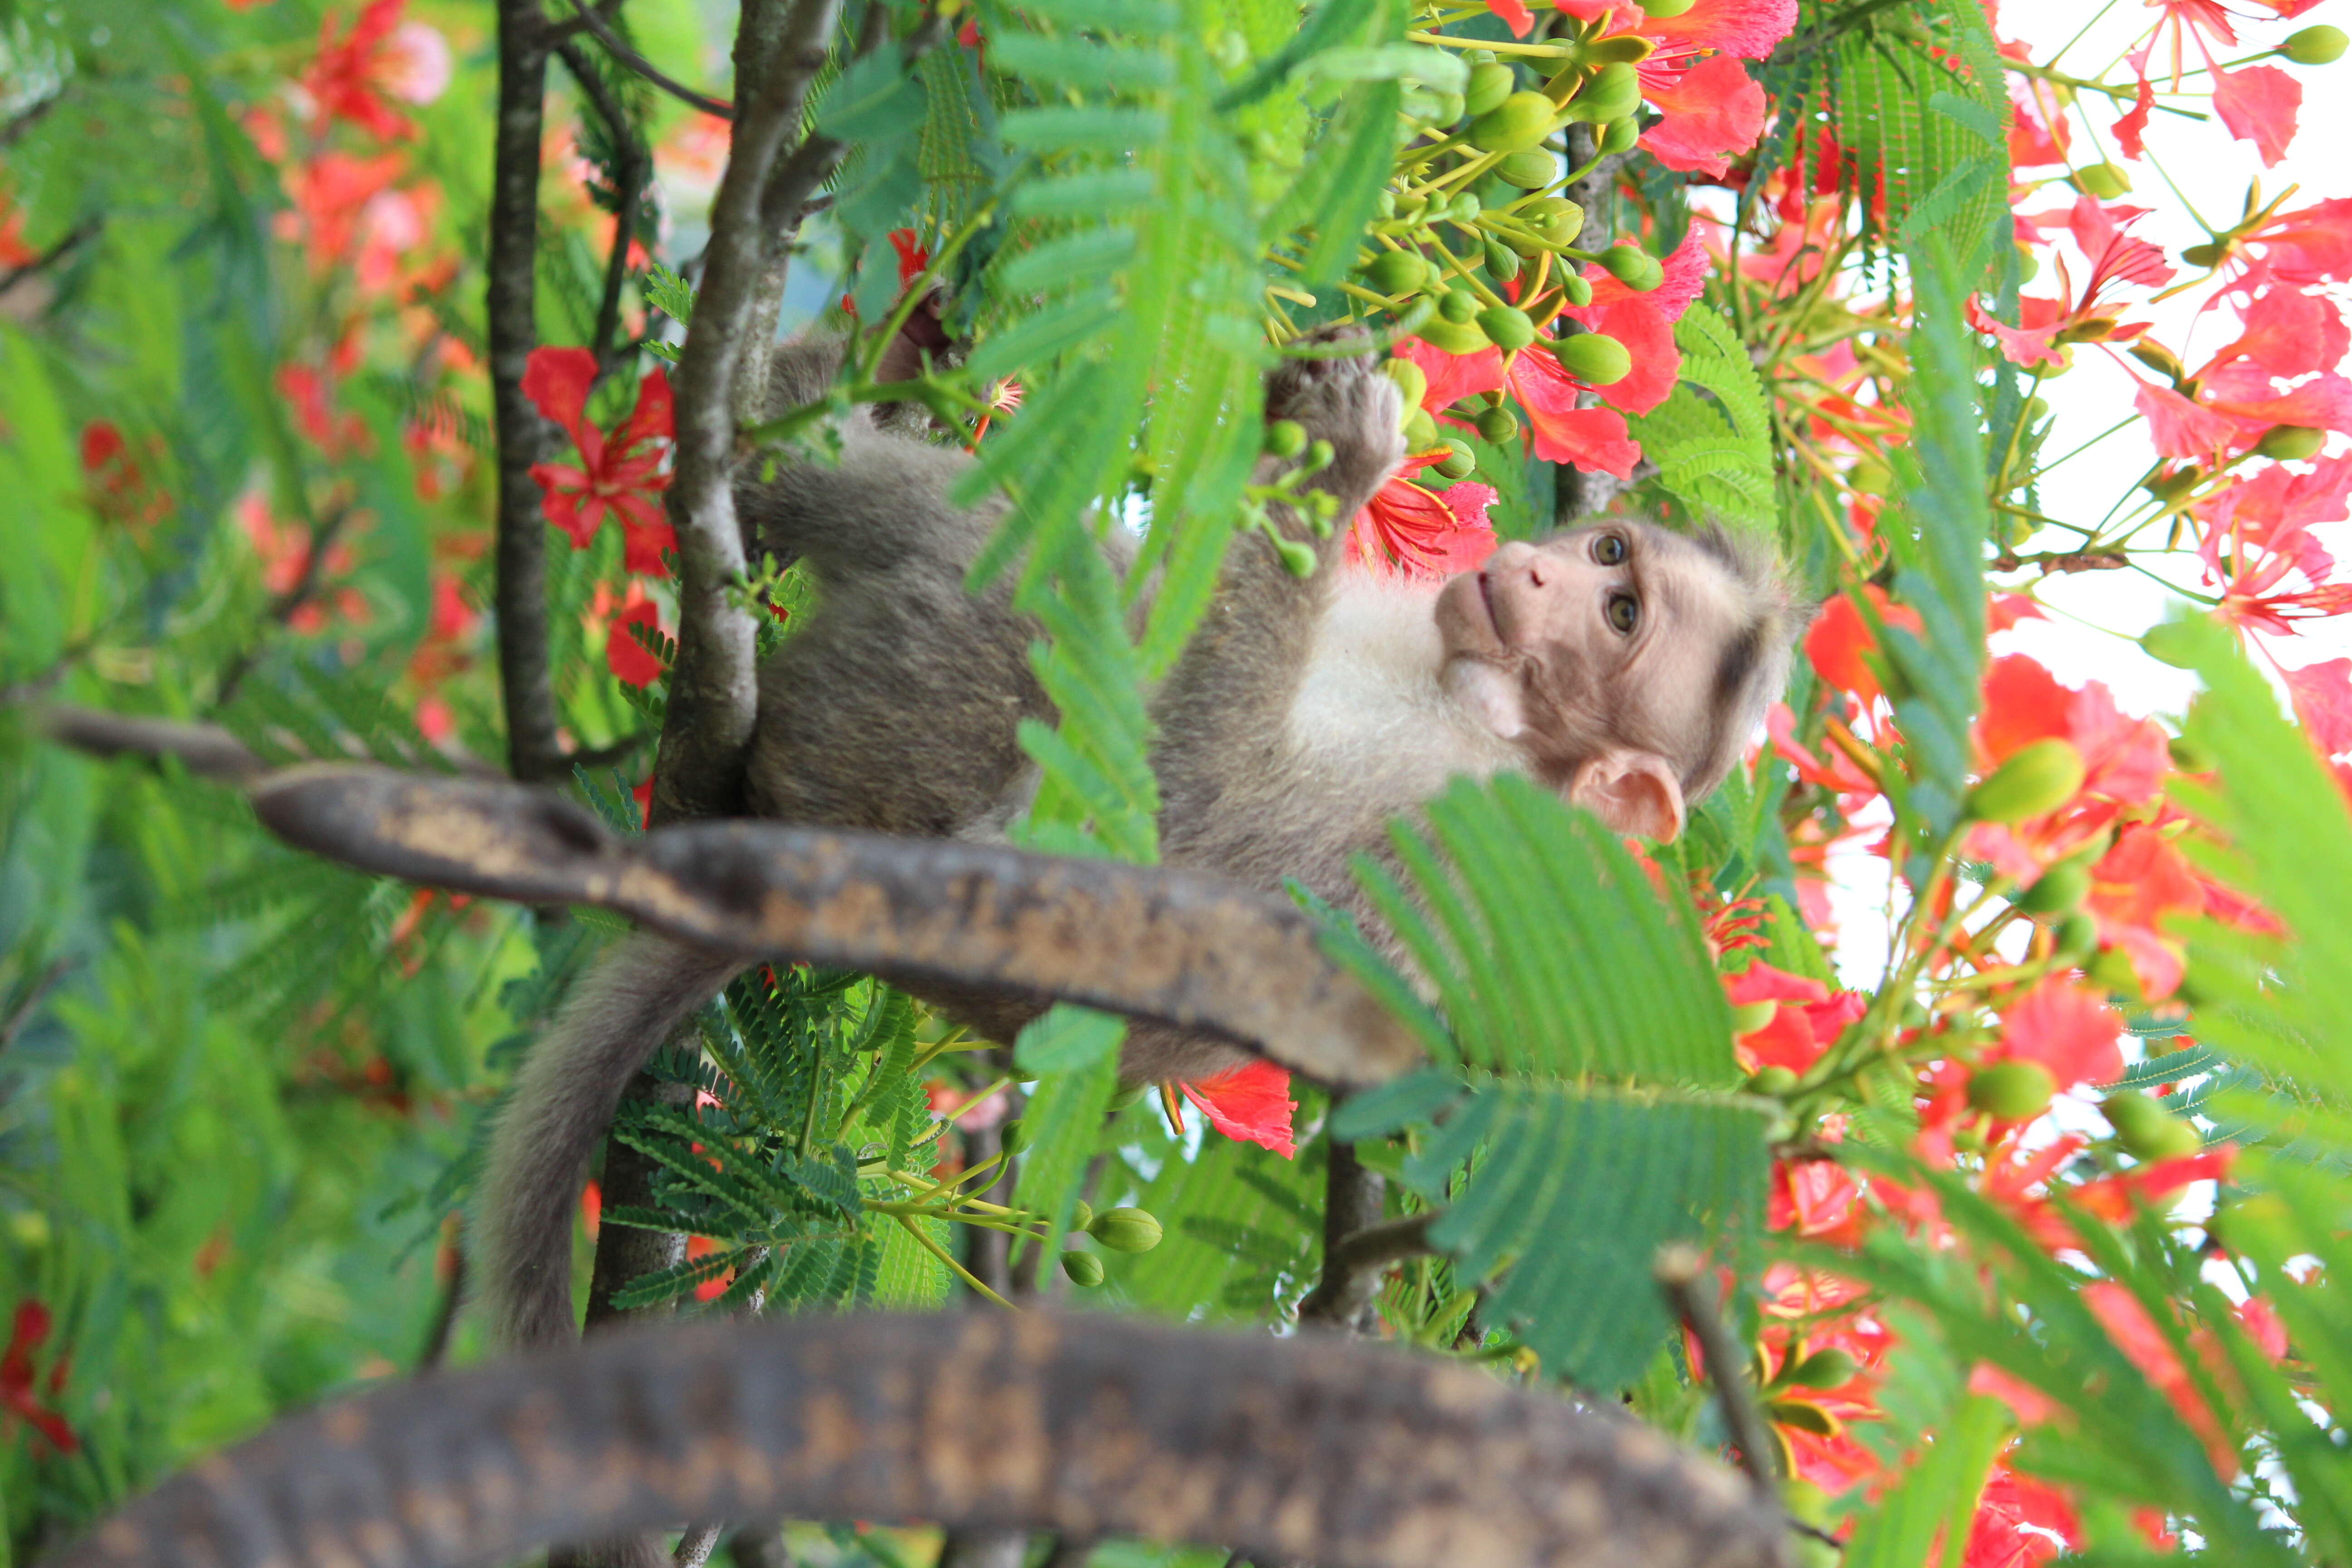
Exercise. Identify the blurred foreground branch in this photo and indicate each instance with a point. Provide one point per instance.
(1344, 1455)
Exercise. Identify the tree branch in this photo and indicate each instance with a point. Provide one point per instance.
(1348, 1455)
(713, 696)
(1352, 1196)
(533, 753)
(281, 610)
(1352, 1268)
(1682, 1272)
(716, 107)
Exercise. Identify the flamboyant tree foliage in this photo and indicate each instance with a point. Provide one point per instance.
(2027, 1206)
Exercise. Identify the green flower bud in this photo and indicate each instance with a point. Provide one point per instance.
(1459, 462)
(1412, 384)
(1614, 92)
(1285, 437)
(2056, 890)
(1576, 289)
(1453, 337)
(1508, 327)
(2146, 1129)
(1084, 1269)
(1082, 1213)
(2319, 45)
(2011, 1090)
(1448, 108)
(1502, 262)
(2037, 779)
(1519, 121)
(2078, 937)
(1662, 9)
(1459, 306)
(1775, 1081)
(2104, 181)
(1801, 1416)
(1621, 135)
(1395, 272)
(1489, 85)
(1557, 218)
(1420, 431)
(2171, 642)
(1870, 477)
(1386, 205)
(2206, 255)
(1627, 48)
(2157, 358)
(1634, 267)
(1465, 208)
(1751, 1016)
(1126, 1230)
(1013, 1136)
(1498, 424)
(1299, 560)
(1826, 1368)
(2292, 443)
(1529, 170)
(1595, 359)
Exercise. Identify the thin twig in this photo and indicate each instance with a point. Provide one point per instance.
(20, 1010)
(444, 1317)
(1352, 1196)
(72, 240)
(1681, 1271)
(282, 609)
(633, 169)
(1351, 1270)
(534, 753)
(646, 69)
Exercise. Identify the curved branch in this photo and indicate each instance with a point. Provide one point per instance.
(1193, 952)
(718, 106)
(1347, 1455)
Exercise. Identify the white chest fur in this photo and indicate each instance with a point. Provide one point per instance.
(1371, 709)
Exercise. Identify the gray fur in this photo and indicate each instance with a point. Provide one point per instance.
(1303, 716)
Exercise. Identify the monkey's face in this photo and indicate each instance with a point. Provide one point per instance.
(1595, 650)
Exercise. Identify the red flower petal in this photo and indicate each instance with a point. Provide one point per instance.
(1515, 14)
(2068, 1030)
(1748, 28)
(633, 663)
(2323, 700)
(556, 381)
(2258, 104)
(1251, 1104)
(1452, 377)
(1714, 111)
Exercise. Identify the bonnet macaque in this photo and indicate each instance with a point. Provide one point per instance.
(1622, 664)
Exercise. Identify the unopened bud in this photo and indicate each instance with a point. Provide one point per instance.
(1502, 262)
(1661, 9)
(2291, 443)
(1614, 92)
(1285, 437)
(1084, 1269)
(1082, 1215)
(1412, 380)
(1394, 272)
(1498, 424)
(1595, 359)
(2319, 45)
(1489, 85)
(2156, 357)
(1420, 431)
(1519, 121)
(2210, 254)
(1126, 1230)
(1459, 306)
(1577, 290)
(1621, 135)
(1459, 462)
(2104, 181)
(2011, 1090)
(1827, 1368)
(1530, 169)
(1508, 326)
(1013, 1136)
(2036, 778)
(1634, 267)
(1750, 1017)
(1774, 1080)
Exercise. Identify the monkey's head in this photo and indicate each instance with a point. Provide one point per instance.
(1632, 663)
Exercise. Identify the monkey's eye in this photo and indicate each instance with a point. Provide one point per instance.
(1624, 612)
(1610, 551)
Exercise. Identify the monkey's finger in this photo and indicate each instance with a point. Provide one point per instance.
(1197, 953)
(1345, 1455)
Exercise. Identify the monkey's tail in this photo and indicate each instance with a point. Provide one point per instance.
(616, 1017)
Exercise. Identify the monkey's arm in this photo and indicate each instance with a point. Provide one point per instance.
(1225, 706)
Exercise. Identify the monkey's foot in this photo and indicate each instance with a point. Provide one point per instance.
(1348, 403)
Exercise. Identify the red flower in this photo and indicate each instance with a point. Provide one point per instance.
(1421, 533)
(2323, 700)
(16, 1378)
(1807, 1022)
(2288, 334)
(628, 659)
(622, 467)
(1841, 638)
(2258, 104)
(2066, 1029)
(1713, 112)
(1250, 1104)
(330, 194)
(1564, 432)
(1515, 14)
(2047, 326)
(913, 259)
(381, 55)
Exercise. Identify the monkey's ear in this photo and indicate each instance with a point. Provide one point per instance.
(1631, 792)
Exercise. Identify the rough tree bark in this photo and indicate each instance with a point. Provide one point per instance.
(1343, 1454)
(534, 754)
